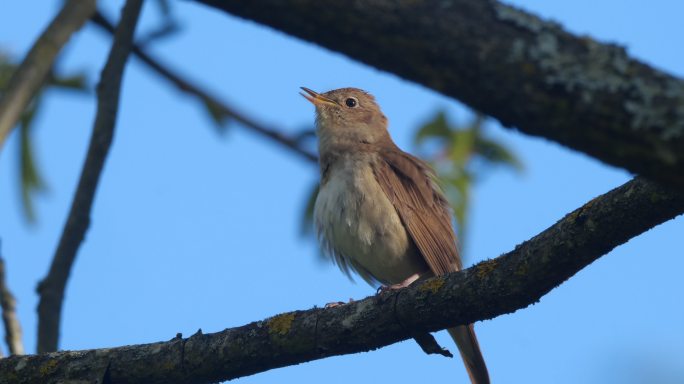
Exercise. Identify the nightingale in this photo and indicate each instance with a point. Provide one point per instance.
(379, 212)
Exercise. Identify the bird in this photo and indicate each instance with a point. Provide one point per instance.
(380, 212)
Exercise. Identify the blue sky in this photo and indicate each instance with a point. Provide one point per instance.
(194, 229)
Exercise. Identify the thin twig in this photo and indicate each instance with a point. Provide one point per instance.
(9, 315)
(489, 289)
(32, 72)
(185, 86)
(51, 289)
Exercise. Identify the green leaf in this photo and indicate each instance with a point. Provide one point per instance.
(497, 154)
(31, 180)
(456, 147)
(462, 144)
(457, 191)
(307, 222)
(438, 127)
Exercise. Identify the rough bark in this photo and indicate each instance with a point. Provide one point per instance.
(528, 73)
(51, 289)
(35, 67)
(486, 290)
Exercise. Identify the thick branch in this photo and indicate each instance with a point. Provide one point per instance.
(32, 72)
(9, 315)
(208, 99)
(509, 64)
(491, 288)
(51, 289)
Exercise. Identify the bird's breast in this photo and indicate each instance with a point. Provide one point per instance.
(359, 225)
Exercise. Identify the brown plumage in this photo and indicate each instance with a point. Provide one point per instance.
(379, 211)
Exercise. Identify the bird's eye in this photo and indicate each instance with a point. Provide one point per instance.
(351, 102)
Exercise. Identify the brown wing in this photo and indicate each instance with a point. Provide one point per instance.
(408, 183)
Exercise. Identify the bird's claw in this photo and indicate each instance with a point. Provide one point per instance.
(393, 287)
(390, 288)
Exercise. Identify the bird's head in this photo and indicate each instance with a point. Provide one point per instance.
(348, 116)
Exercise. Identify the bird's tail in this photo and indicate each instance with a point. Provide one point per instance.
(465, 339)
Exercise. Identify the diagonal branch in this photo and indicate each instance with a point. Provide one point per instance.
(211, 101)
(9, 315)
(33, 71)
(51, 289)
(489, 289)
(526, 72)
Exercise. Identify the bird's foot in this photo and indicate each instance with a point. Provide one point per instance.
(393, 287)
(390, 288)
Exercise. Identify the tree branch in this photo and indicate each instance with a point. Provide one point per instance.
(51, 289)
(32, 72)
(9, 315)
(489, 289)
(185, 86)
(526, 72)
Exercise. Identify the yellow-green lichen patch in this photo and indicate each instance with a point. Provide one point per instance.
(485, 268)
(433, 285)
(280, 324)
(48, 367)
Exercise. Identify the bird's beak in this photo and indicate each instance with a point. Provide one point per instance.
(316, 98)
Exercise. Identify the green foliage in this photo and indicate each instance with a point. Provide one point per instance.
(437, 127)
(31, 182)
(307, 224)
(307, 221)
(460, 155)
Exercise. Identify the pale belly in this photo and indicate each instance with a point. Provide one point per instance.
(360, 226)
